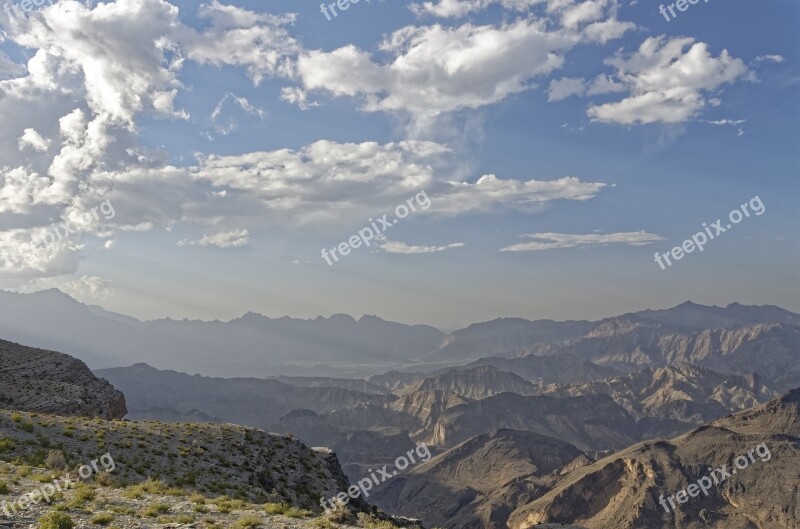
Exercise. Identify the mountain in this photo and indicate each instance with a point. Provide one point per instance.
(504, 336)
(681, 392)
(395, 380)
(247, 401)
(590, 423)
(477, 484)
(548, 369)
(472, 383)
(623, 491)
(692, 316)
(49, 382)
(264, 346)
(630, 343)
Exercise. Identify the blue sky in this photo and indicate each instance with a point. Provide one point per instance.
(235, 141)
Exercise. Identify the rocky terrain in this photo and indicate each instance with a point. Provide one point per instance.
(472, 383)
(622, 491)
(47, 381)
(589, 423)
(248, 401)
(169, 475)
(681, 392)
(478, 483)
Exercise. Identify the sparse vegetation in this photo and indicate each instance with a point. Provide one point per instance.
(56, 520)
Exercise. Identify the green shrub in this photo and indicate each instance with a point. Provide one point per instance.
(276, 508)
(104, 518)
(294, 512)
(247, 521)
(56, 520)
(156, 509)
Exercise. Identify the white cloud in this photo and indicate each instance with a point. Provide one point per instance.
(566, 87)
(225, 239)
(435, 69)
(769, 58)
(666, 82)
(258, 42)
(403, 248)
(552, 241)
(490, 193)
(34, 140)
(723, 122)
(327, 180)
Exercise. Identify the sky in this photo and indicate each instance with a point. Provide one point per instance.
(187, 160)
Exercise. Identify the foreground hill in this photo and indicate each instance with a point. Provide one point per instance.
(203, 475)
(46, 381)
(623, 491)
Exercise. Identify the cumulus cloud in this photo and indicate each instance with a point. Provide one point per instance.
(327, 180)
(552, 241)
(667, 80)
(34, 140)
(437, 69)
(70, 136)
(93, 71)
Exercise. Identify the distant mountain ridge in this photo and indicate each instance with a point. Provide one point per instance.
(53, 320)
(725, 339)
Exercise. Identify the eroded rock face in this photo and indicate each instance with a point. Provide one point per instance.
(623, 491)
(50, 382)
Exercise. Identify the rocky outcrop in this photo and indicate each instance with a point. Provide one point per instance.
(50, 382)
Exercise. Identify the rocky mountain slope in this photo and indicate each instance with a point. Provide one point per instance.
(590, 423)
(472, 383)
(682, 392)
(46, 381)
(477, 484)
(248, 401)
(557, 368)
(626, 489)
(505, 335)
(170, 475)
